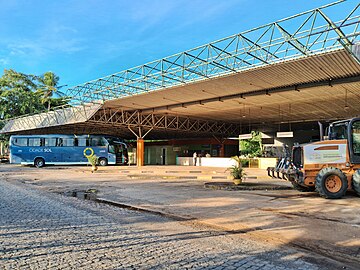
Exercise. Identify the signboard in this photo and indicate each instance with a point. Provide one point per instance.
(288, 134)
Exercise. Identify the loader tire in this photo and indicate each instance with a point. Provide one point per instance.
(356, 182)
(331, 183)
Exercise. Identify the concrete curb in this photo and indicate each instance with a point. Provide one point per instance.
(142, 209)
(193, 177)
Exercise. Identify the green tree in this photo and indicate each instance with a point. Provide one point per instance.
(12, 80)
(18, 94)
(26, 94)
(14, 102)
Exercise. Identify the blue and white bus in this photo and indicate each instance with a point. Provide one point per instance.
(58, 149)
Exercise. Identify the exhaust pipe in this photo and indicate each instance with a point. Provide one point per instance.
(321, 131)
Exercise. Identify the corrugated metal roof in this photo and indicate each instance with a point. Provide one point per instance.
(65, 116)
(338, 64)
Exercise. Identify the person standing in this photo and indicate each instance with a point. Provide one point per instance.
(194, 158)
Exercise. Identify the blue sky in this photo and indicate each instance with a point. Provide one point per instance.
(82, 40)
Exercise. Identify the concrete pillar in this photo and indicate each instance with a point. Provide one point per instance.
(140, 152)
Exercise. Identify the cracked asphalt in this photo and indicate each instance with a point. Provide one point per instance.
(41, 230)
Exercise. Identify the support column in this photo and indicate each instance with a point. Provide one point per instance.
(140, 145)
(221, 150)
(222, 146)
(140, 152)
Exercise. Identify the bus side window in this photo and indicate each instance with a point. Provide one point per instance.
(48, 142)
(76, 142)
(97, 142)
(20, 141)
(67, 141)
(83, 142)
(34, 142)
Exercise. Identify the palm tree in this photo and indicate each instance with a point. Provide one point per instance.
(49, 88)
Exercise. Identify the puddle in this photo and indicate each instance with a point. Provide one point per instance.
(89, 194)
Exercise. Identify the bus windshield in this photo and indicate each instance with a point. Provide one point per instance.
(118, 148)
(115, 145)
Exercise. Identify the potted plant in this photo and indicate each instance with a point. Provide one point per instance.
(93, 160)
(237, 171)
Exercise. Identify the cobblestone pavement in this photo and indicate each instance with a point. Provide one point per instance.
(40, 230)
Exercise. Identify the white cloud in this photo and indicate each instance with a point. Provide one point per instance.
(56, 39)
(4, 61)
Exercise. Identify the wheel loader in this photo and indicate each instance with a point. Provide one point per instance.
(330, 166)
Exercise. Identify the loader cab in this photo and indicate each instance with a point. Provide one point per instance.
(338, 130)
(354, 141)
(349, 130)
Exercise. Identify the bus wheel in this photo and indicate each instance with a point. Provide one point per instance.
(331, 183)
(103, 162)
(39, 162)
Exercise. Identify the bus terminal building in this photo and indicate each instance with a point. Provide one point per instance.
(285, 76)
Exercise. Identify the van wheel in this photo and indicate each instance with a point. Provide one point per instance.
(103, 162)
(356, 182)
(39, 162)
(331, 183)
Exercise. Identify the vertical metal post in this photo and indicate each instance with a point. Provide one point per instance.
(321, 131)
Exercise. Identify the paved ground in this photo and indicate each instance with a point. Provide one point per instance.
(39, 230)
(280, 219)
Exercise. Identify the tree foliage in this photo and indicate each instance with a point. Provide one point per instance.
(252, 147)
(19, 102)
(12, 80)
(24, 94)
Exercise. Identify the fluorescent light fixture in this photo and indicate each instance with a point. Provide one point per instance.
(288, 134)
(245, 136)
